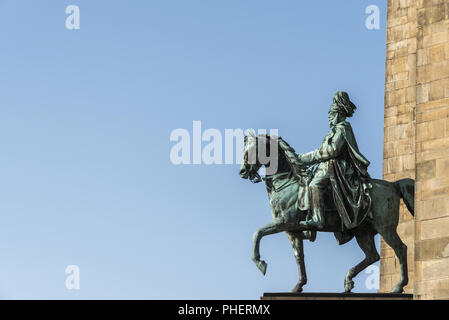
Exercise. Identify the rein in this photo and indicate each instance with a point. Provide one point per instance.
(273, 177)
(268, 180)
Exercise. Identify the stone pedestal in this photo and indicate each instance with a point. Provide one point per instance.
(335, 296)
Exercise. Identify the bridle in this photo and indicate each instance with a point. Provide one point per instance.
(268, 179)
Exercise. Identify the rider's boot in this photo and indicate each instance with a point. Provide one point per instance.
(317, 220)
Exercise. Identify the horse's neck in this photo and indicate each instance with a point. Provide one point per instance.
(271, 182)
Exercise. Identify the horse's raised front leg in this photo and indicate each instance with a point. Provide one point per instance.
(296, 240)
(276, 226)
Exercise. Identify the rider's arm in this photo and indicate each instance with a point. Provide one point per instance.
(328, 150)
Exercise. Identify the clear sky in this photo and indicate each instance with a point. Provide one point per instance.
(85, 123)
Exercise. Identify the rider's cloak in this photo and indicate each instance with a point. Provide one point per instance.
(350, 179)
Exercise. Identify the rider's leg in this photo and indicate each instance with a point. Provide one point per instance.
(317, 188)
(318, 207)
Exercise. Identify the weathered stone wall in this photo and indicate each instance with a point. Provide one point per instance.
(399, 127)
(416, 140)
(432, 152)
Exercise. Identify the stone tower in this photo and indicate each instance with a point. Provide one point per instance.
(416, 141)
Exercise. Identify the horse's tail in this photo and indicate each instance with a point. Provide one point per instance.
(406, 188)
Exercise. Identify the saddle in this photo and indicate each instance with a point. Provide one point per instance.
(304, 176)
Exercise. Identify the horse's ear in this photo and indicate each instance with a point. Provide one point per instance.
(250, 133)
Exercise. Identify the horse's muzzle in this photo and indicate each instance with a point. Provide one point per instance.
(244, 174)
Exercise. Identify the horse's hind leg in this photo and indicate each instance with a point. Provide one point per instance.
(400, 249)
(296, 240)
(365, 240)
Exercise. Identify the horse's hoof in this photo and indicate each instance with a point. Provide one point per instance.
(262, 265)
(349, 285)
(297, 288)
(397, 289)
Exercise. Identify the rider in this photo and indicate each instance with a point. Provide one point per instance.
(340, 164)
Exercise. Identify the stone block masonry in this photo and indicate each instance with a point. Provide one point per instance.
(416, 141)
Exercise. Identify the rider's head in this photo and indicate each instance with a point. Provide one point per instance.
(341, 108)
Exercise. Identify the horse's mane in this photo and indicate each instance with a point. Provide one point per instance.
(289, 154)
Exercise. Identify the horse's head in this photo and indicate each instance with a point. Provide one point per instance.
(259, 150)
(250, 163)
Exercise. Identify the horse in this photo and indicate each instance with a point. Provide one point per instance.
(283, 191)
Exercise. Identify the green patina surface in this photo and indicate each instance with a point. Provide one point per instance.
(328, 190)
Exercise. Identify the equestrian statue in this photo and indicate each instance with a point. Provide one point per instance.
(328, 190)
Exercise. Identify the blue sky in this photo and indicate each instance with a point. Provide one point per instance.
(85, 122)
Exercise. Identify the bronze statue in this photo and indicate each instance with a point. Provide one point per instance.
(329, 190)
(341, 165)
